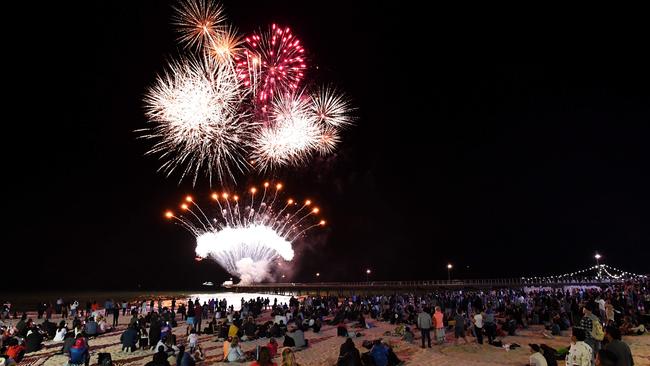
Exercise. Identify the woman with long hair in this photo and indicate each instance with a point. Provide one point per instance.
(264, 358)
(288, 358)
(235, 354)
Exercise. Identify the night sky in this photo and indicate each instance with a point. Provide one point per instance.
(506, 147)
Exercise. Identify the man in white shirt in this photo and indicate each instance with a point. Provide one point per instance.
(536, 358)
(580, 353)
(478, 327)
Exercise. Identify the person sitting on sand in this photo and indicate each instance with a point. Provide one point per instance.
(61, 331)
(102, 326)
(298, 337)
(317, 325)
(264, 358)
(233, 331)
(349, 354)
(226, 347)
(288, 358)
(129, 339)
(91, 327)
(235, 354)
(79, 352)
(273, 347)
(15, 350)
(342, 330)
(160, 358)
(536, 358)
(249, 328)
(34, 340)
(188, 358)
(408, 336)
(379, 353)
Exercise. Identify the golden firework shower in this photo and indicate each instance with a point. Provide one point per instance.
(247, 238)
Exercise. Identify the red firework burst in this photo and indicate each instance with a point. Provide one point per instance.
(273, 62)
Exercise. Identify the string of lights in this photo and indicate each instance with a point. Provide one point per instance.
(598, 273)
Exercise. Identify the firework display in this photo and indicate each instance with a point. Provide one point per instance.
(246, 235)
(273, 63)
(199, 120)
(241, 104)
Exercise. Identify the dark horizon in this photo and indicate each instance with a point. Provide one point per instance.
(504, 147)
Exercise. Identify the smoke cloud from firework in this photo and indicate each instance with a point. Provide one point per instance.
(240, 101)
(248, 236)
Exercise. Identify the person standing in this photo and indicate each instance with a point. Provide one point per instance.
(459, 327)
(580, 353)
(478, 326)
(116, 315)
(198, 314)
(490, 325)
(424, 324)
(588, 322)
(618, 347)
(438, 318)
(73, 308)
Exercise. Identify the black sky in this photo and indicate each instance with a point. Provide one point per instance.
(503, 144)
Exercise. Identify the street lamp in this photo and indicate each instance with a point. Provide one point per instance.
(317, 274)
(449, 266)
(598, 256)
(368, 275)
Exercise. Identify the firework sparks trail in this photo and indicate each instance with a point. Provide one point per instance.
(331, 107)
(198, 21)
(247, 248)
(199, 119)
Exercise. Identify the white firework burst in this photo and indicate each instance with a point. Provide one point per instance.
(331, 107)
(291, 137)
(196, 107)
(198, 22)
(247, 236)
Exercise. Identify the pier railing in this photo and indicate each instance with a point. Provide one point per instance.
(425, 284)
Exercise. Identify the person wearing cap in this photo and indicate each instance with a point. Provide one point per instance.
(536, 358)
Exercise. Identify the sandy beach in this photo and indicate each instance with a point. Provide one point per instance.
(324, 348)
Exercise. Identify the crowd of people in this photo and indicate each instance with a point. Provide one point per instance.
(596, 318)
